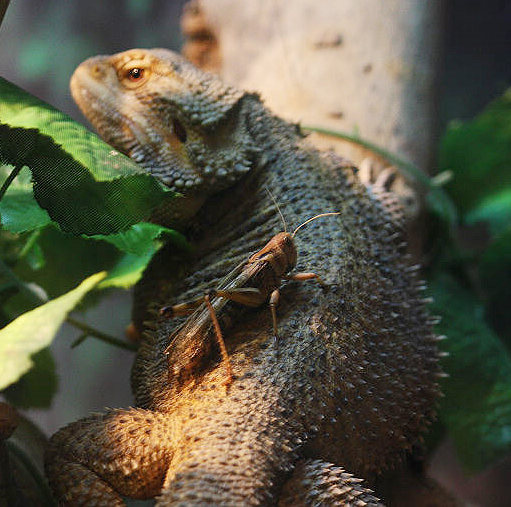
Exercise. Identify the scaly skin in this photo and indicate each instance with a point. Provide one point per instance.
(353, 377)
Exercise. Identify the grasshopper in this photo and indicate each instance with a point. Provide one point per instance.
(251, 284)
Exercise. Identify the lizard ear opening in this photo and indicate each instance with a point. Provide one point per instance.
(179, 130)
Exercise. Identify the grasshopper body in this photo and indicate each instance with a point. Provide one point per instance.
(251, 284)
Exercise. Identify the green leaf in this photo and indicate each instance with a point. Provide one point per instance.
(19, 210)
(35, 330)
(477, 407)
(37, 387)
(35, 257)
(68, 260)
(85, 185)
(20, 109)
(140, 242)
(127, 271)
(138, 239)
(479, 154)
(10, 246)
(494, 209)
(70, 193)
(495, 278)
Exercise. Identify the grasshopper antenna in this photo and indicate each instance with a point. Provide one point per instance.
(278, 208)
(314, 218)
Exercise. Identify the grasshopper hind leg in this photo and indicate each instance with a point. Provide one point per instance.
(221, 341)
(181, 309)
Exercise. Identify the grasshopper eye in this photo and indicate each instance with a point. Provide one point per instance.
(135, 74)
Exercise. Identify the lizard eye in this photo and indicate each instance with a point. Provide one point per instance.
(135, 74)
(179, 130)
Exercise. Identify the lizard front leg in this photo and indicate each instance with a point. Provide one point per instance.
(121, 452)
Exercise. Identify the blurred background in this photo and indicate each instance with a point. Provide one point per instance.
(41, 43)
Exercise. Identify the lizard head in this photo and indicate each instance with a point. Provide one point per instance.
(184, 126)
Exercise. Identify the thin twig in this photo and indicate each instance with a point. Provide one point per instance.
(79, 340)
(410, 169)
(95, 333)
(32, 294)
(10, 179)
(23, 287)
(34, 236)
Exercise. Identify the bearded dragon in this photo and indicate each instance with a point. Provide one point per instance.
(351, 383)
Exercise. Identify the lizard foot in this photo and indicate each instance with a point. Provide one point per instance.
(316, 482)
(97, 459)
(395, 194)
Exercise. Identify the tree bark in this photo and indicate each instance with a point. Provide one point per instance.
(3, 7)
(362, 66)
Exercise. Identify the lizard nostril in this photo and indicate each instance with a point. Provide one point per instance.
(96, 71)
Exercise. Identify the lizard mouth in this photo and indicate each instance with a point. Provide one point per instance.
(117, 129)
(96, 103)
(157, 134)
(137, 135)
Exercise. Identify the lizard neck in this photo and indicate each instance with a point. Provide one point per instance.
(262, 141)
(248, 209)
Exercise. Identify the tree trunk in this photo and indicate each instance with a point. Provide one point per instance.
(363, 66)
